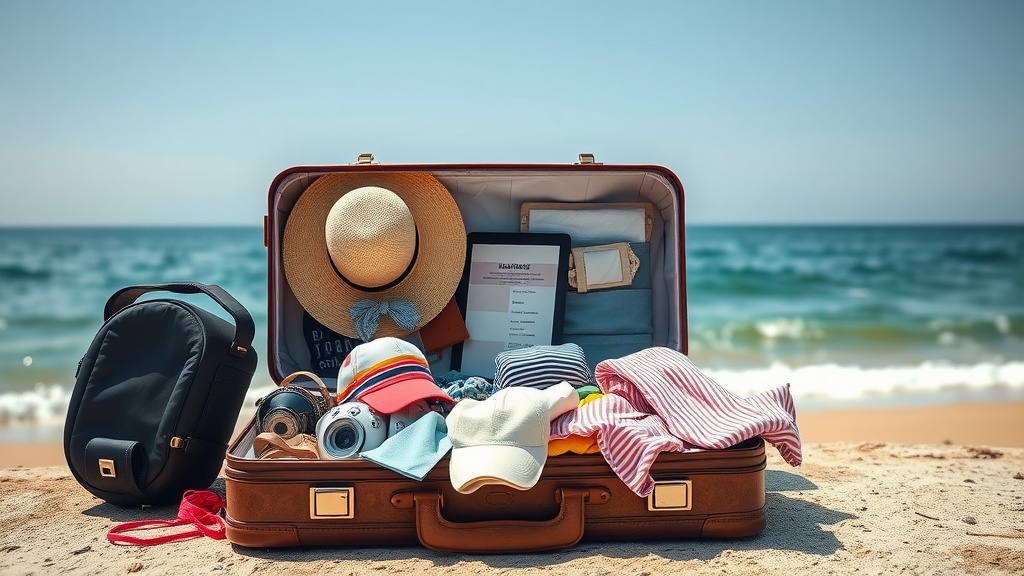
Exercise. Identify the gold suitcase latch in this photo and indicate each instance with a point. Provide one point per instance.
(331, 503)
(670, 496)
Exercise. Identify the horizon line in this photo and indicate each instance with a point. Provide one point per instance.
(808, 224)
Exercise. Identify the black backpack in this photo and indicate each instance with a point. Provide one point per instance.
(157, 395)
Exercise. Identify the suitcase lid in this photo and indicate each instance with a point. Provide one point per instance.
(489, 196)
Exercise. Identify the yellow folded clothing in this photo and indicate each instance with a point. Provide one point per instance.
(575, 443)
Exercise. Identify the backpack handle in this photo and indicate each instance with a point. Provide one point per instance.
(245, 329)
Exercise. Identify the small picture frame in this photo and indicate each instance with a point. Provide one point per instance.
(604, 266)
(512, 295)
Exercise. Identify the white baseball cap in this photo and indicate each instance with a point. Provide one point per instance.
(504, 439)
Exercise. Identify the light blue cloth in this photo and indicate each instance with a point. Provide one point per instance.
(414, 450)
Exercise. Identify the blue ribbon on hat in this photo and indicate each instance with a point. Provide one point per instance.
(366, 315)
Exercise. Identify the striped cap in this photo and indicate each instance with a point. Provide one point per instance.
(541, 366)
(387, 374)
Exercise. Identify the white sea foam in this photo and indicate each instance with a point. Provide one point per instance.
(43, 405)
(1002, 324)
(794, 328)
(815, 386)
(858, 293)
(835, 385)
(48, 405)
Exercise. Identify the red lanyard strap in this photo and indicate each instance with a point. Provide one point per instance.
(199, 508)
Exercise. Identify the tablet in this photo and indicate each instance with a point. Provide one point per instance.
(512, 295)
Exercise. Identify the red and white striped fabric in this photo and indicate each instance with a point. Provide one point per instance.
(657, 401)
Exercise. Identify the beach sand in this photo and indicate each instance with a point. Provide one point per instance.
(936, 490)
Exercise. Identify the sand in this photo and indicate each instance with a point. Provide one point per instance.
(944, 502)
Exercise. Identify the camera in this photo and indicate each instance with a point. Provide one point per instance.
(289, 411)
(399, 420)
(348, 429)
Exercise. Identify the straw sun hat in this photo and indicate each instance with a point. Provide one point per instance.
(371, 255)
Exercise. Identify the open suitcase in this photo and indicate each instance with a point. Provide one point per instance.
(714, 493)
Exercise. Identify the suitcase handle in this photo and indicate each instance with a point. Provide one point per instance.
(500, 536)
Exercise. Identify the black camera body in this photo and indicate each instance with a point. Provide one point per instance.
(289, 411)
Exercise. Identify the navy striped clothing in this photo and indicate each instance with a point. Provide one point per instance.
(541, 366)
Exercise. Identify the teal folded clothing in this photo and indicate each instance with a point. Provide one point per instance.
(598, 347)
(587, 390)
(612, 311)
(416, 449)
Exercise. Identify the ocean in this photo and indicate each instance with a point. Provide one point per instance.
(850, 316)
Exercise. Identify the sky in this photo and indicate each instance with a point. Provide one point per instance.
(182, 113)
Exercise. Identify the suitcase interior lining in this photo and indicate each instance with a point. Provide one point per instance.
(490, 201)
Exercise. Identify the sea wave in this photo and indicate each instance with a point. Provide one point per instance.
(43, 405)
(57, 320)
(825, 330)
(830, 385)
(840, 383)
(987, 254)
(48, 405)
(12, 272)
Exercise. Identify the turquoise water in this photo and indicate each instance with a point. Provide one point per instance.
(882, 315)
(866, 296)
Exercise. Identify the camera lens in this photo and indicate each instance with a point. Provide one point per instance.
(343, 439)
(349, 429)
(282, 422)
(289, 411)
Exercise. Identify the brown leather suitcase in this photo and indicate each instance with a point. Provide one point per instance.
(705, 494)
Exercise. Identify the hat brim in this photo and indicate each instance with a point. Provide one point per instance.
(431, 282)
(519, 467)
(391, 399)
